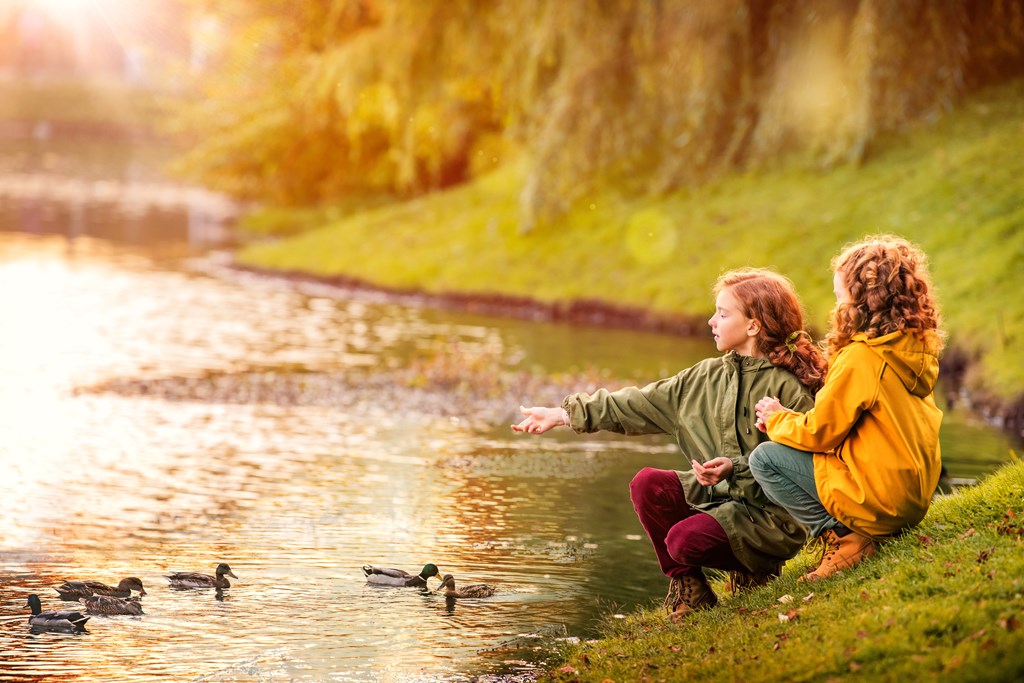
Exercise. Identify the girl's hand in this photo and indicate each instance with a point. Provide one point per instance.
(764, 409)
(539, 420)
(713, 471)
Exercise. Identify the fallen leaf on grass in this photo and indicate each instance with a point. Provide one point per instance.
(808, 597)
(1011, 624)
(925, 540)
(786, 599)
(968, 533)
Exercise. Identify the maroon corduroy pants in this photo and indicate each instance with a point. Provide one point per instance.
(684, 539)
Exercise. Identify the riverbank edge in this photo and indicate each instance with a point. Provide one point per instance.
(941, 601)
(954, 365)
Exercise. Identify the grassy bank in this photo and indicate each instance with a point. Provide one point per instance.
(954, 187)
(943, 602)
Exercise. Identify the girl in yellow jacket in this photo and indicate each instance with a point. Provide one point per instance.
(864, 462)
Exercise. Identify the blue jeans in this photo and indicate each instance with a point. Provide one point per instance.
(787, 477)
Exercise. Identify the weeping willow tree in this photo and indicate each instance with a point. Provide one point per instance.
(307, 101)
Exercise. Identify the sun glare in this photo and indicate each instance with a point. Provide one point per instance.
(60, 6)
(69, 13)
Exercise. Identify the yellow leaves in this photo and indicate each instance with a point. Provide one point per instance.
(374, 104)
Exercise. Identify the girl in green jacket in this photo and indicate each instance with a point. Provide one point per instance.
(714, 515)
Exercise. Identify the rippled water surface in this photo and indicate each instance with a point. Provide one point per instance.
(96, 485)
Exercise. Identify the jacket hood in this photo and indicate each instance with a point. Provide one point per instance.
(915, 361)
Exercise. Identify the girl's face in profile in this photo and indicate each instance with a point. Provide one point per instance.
(840, 289)
(733, 331)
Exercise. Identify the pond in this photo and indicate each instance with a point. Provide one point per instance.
(296, 497)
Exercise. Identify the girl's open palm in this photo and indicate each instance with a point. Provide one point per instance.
(539, 420)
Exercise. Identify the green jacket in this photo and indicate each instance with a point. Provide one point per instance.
(709, 410)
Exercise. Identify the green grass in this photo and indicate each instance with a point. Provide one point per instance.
(943, 602)
(954, 187)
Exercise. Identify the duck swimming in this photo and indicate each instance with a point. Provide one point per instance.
(476, 590)
(386, 576)
(197, 580)
(54, 620)
(74, 590)
(108, 604)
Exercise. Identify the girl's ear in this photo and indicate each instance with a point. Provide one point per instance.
(753, 328)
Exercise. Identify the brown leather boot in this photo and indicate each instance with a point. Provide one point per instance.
(740, 581)
(841, 552)
(689, 594)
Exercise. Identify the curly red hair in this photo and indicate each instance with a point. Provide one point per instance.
(771, 299)
(890, 291)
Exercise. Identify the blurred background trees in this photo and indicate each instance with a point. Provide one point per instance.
(308, 101)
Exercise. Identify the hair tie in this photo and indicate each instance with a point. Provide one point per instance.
(791, 341)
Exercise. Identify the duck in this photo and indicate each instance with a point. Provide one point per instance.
(476, 590)
(108, 604)
(54, 620)
(387, 576)
(197, 580)
(75, 590)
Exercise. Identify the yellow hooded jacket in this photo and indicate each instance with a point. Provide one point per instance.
(874, 432)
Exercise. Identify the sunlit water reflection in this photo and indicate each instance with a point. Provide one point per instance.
(297, 498)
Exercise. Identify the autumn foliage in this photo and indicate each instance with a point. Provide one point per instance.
(306, 102)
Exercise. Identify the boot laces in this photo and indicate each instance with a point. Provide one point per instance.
(824, 546)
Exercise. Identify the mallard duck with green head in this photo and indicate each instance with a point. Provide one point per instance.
(54, 620)
(475, 590)
(387, 576)
(108, 604)
(75, 590)
(198, 580)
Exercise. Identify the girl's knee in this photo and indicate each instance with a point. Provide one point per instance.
(765, 457)
(647, 481)
(759, 459)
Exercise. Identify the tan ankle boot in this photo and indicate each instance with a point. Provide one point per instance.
(688, 594)
(740, 581)
(840, 553)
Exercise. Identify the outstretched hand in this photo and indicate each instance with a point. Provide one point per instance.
(712, 471)
(539, 420)
(764, 409)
